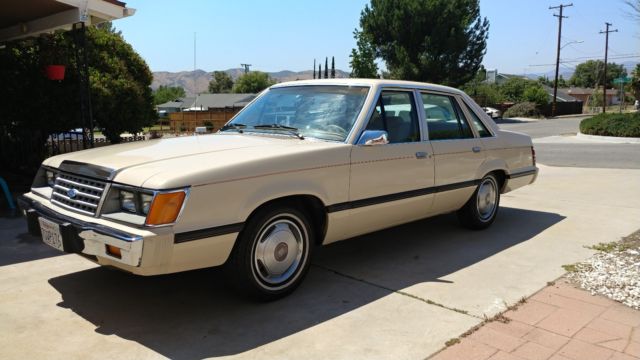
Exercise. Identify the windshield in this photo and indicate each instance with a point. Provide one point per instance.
(320, 111)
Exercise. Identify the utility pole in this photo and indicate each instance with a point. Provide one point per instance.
(246, 67)
(606, 51)
(555, 83)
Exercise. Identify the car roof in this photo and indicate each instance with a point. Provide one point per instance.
(369, 82)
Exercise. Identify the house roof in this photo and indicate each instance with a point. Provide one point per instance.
(209, 101)
(585, 91)
(562, 95)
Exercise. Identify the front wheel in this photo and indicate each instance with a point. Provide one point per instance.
(272, 254)
(481, 209)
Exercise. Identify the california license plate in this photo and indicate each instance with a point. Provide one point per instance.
(51, 233)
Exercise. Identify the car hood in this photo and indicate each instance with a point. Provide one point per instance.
(184, 161)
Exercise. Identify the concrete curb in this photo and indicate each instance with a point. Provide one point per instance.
(609, 139)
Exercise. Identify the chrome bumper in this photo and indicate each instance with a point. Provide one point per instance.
(82, 237)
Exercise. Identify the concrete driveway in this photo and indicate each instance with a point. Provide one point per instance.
(395, 294)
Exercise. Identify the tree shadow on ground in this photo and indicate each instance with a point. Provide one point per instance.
(192, 315)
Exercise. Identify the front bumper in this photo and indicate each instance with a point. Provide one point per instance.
(85, 238)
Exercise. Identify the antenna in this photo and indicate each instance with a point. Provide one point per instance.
(194, 64)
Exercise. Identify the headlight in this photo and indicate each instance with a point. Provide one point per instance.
(128, 201)
(145, 202)
(51, 177)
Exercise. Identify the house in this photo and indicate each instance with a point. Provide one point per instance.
(586, 94)
(494, 77)
(211, 110)
(206, 102)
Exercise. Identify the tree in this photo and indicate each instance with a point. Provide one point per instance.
(635, 82)
(513, 89)
(326, 68)
(220, 83)
(167, 93)
(121, 94)
(253, 82)
(319, 71)
(333, 67)
(591, 74)
(363, 59)
(634, 9)
(536, 94)
(440, 41)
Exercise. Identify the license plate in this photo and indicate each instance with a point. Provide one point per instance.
(51, 233)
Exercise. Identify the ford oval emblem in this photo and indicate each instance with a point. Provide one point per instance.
(72, 193)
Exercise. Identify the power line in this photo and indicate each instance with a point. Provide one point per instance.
(555, 83)
(579, 60)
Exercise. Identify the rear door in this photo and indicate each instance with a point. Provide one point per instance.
(458, 153)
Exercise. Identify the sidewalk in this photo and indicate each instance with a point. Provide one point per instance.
(560, 322)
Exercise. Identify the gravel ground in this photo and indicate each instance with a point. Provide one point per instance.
(614, 271)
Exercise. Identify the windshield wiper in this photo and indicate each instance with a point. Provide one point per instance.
(235, 126)
(288, 129)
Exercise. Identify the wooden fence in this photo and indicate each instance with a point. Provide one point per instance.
(187, 121)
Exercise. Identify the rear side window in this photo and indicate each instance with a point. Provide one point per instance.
(445, 121)
(396, 114)
(477, 123)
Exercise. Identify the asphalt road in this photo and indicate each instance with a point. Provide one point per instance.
(556, 146)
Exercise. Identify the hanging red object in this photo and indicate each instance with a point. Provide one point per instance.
(55, 72)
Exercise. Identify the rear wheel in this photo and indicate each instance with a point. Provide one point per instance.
(481, 209)
(272, 254)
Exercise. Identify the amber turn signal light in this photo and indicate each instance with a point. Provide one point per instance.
(114, 251)
(165, 208)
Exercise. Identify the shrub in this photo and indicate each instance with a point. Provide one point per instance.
(536, 94)
(620, 125)
(525, 109)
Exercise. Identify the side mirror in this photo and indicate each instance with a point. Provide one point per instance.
(373, 137)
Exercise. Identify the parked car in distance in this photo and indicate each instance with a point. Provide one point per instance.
(306, 163)
(492, 112)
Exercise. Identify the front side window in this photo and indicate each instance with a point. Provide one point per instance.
(396, 114)
(323, 112)
(445, 120)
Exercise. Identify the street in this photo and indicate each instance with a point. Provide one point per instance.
(399, 293)
(556, 146)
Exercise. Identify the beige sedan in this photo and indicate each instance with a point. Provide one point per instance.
(306, 163)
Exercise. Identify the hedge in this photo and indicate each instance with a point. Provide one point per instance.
(620, 125)
(525, 109)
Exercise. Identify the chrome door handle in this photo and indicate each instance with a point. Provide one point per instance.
(476, 149)
(421, 155)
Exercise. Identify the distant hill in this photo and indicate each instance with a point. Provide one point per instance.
(198, 81)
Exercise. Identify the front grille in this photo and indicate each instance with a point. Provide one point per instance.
(77, 193)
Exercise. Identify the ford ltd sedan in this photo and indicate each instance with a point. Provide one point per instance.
(306, 163)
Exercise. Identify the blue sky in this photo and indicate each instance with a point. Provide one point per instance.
(289, 34)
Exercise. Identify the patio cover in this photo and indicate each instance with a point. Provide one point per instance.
(25, 18)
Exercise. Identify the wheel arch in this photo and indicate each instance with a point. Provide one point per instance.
(309, 204)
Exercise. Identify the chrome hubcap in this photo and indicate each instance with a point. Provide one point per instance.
(279, 250)
(487, 198)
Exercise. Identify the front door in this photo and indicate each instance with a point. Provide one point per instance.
(392, 183)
